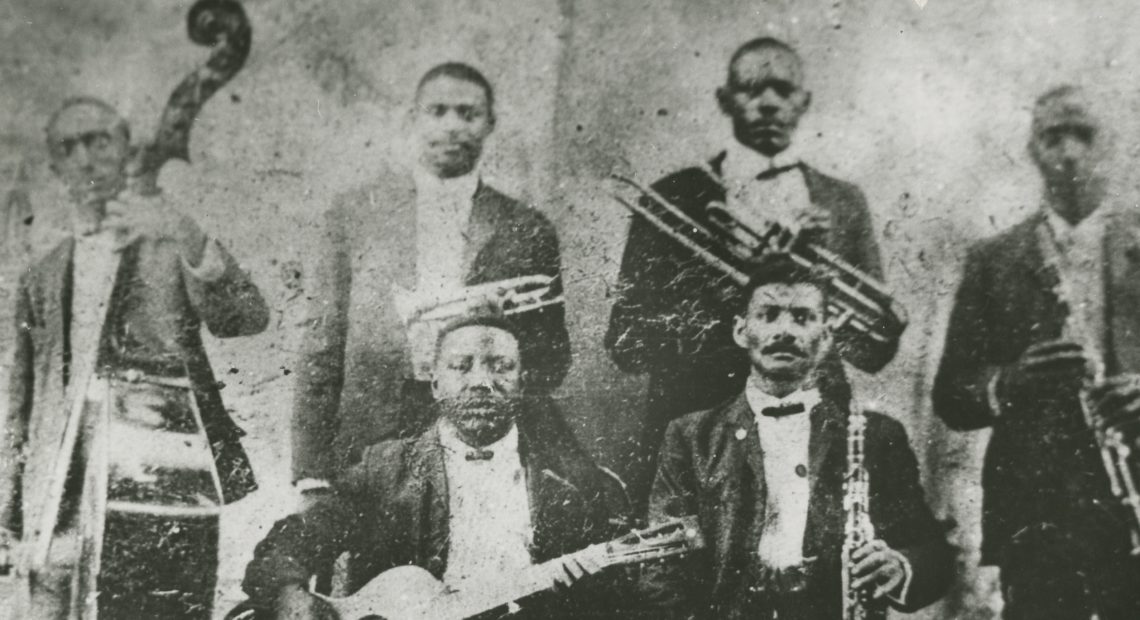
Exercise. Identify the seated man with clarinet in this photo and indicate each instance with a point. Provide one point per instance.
(811, 506)
(489, 500)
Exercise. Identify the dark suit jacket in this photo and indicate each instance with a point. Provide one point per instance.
(1041, 461)
(354, 377)
(154, 322)
(669, 319)
(711, 465)
(391, 509)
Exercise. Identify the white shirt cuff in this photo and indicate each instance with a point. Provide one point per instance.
(899, 597)
(305, 485)
(992, 396)
(213, 265)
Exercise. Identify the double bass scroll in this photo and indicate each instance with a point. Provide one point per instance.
(224, 26)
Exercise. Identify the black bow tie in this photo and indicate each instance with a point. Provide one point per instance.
(480, 455)
(774, 172)
(780, 411)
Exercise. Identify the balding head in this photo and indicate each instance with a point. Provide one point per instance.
(764, 94)
(89, 142)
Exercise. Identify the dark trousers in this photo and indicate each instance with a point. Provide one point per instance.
(1056, 575)
(157, 567)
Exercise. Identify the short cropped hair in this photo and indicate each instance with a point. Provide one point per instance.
(760, 43)
(459, 71)
(476, 320)
(781, 268)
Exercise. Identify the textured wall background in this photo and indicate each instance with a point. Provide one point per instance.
(925, 108)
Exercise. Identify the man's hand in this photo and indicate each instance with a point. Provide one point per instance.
(573, 570)
(296, 603)
(12, 553)
(134, 217)
(1053, 362)
(815, 223)
(1116, 400)
(878, 566)
(308, 498)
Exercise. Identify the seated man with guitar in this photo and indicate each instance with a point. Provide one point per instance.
(484, 501)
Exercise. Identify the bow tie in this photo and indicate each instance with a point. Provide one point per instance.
(774, 172)
(780, 411)
(479, 454)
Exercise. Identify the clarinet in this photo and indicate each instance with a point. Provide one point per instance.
(858, 529)
(1114, 442)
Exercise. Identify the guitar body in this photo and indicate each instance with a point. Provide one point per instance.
(412, 593)
(401, 593)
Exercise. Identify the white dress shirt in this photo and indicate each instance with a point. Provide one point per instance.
(1080, 253)
(785, 446)
(784, 443)
(489, 510)
(783, 198)
(443, 212)
(94, 264)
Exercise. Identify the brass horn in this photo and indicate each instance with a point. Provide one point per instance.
(867, 320)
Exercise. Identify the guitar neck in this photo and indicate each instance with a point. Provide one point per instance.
(544, 577)
(536, 579)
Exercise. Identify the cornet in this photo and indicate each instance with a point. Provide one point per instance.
(868, 322)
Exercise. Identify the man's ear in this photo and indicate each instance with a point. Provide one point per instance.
(807, 102)
(434, 387)
(828, 339)
(738, 336)
(724, 100)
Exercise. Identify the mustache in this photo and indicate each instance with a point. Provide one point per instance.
(784, 347)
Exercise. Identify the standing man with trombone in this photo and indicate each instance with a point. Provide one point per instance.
(673, 315)
(1044, 342)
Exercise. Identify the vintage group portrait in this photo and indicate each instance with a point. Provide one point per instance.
(569, 309)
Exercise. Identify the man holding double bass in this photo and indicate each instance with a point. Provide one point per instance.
(117, 452)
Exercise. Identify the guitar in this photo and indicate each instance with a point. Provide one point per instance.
(412, 593)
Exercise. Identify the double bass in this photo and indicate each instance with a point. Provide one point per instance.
(160, 464)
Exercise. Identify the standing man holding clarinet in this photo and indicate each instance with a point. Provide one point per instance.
(1044, 347)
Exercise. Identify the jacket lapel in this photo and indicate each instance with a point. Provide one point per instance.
(54, 289)
(1122, 290)
(398, 231)
(428, 505)
(737, 486)
(481, 227)
(826, 452)
(558, 510)
(744, 432)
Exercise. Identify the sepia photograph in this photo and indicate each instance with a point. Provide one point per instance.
(569, 310)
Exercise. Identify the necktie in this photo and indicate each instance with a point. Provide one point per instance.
(479, 454)
(780, 411)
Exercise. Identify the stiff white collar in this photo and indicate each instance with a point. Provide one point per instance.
(1093, 223)
(455, 447)
(460, 187)
(743, 164)
(758, 399)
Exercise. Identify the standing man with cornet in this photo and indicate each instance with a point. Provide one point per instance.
(673, 315)
(1044, 343)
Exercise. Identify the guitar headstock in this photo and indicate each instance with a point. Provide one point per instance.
(661, 540)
